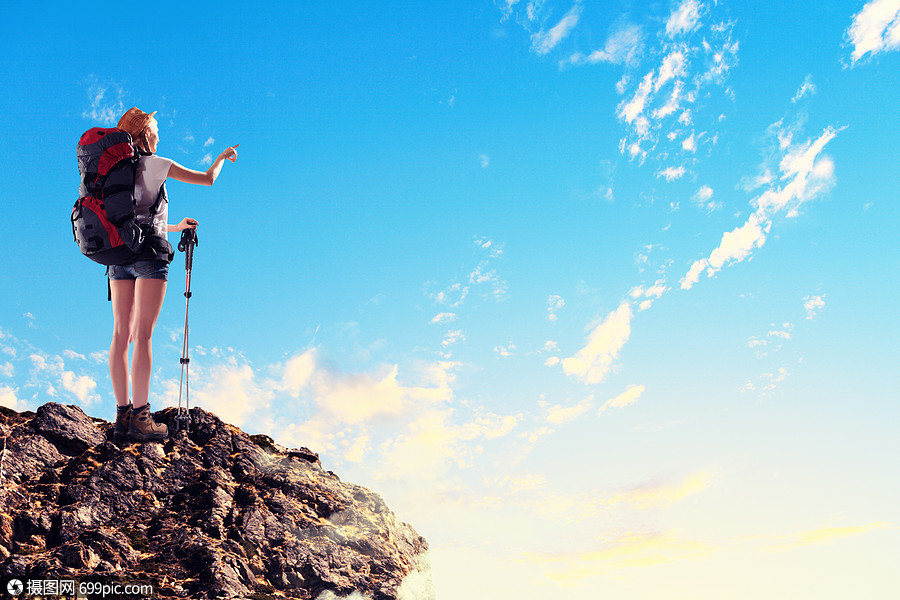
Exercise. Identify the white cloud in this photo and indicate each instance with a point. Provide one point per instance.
(8, 397)
(484, 276)
(719, 61)
(704, 199)
(626, 398)
(508, 8)
(689, 144)
(505, 351)
(649, 294)
(209, 142)
(629, 111)
(876, 28)
(593, 362)
(624, 46)
(73, 355)
(207, 159)
(783, 333)
(808, 88)
(807, 173)
(231, 391)
(106, 102)
(559, 415)
(672, 173)
(543, 42)
(704, 194)
(485, 160)
(81, 386)
(493, 249)
(670, 107)
(432, 441)
(555, 304)
(453, 337)
(452, 296)
(812, 305)
(444, 317)
(673, 67)
(693, 274)
(52, 371)
(684, 19)
(737, 245)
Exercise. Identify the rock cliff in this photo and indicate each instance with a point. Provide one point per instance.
(216, 513)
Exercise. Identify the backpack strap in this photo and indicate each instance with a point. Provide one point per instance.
(161, 197)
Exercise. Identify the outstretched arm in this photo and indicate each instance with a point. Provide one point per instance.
(185, 223)
(186, 175)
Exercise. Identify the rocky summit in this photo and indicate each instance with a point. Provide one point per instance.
(211, 513)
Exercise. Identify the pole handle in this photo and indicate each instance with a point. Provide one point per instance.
(189, 239)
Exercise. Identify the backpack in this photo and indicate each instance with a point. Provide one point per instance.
(103, 220)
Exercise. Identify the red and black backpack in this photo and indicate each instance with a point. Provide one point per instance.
(103, 219)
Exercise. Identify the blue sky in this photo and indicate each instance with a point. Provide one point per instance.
(599, 296)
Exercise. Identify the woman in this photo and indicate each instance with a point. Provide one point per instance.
(138, 288)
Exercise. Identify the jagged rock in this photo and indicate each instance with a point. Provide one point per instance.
(214, 513)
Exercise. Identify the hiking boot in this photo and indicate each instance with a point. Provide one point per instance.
(143, 428)
(123, 420)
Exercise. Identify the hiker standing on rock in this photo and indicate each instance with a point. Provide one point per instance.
(137, 289)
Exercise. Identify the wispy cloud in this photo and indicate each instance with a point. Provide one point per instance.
(659, 106)
(106, 101)
(626, 398)
(806, 173)
(542, 42)
(813, 305)
(410, 421)
(558, 414)
(808, 88)
(684, 19)
(506, 7)
(505, 351)
(875, 29)
(453, 337)
(50, 372)
(453, 295)
(555, 303)
(658, 495)
(444, 317)
(815, 537)
(623, 47)
(672, 173)
(628, 551)
(647, 295)
(593, 362)
(767, 382)
(704, 199)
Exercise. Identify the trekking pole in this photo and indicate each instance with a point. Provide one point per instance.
(182, 416)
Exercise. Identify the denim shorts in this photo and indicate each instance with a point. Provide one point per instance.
(142, 269)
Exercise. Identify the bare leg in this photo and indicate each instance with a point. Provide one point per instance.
(148, 299)
(123, 309)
